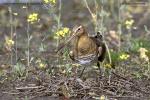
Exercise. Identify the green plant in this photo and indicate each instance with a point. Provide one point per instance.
(42, 47)
(19, 70)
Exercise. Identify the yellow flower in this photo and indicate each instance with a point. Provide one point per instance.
(49, 1)
(42, 65)
(9, 42)
(46, 1)
(62, 33)
(24, 7)
(129, 23)
(143, 54)
(107, 65)
(15, 14)
(124, 56)
(66, 30)
(102, 97)
(32, 18)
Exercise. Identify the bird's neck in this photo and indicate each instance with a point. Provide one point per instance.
(84, 35)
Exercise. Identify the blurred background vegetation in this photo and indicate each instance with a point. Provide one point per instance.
(31, 32)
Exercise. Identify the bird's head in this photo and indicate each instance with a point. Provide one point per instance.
(78, 30)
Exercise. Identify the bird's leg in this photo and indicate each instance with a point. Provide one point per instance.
(99, 67)
(82, 72)
(75, 68)
(110, 74)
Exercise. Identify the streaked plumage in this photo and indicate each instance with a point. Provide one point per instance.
(84, 48)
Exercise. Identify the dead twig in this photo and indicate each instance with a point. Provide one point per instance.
(26, 87)
(13, 93)
(133, 97)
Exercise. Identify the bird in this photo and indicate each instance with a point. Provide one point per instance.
(85, 49)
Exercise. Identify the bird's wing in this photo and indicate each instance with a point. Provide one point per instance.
(102, 52)
(101, 47)
(97, 41)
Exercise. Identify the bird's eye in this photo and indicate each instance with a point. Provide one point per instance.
(78, 29)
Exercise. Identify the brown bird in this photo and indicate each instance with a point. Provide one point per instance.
(85, 49)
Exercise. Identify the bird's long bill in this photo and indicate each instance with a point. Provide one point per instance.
(68, 40)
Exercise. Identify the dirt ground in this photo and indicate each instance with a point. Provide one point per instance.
(125, 82)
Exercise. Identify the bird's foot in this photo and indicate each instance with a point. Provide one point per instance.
(82, 72)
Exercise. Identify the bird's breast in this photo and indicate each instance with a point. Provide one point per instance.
(86, 46)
